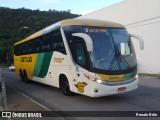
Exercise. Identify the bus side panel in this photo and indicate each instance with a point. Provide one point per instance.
(25, 62)
(48, 65)
(62, 63)
(42, 64)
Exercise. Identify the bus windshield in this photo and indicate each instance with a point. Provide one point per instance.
(112, 49)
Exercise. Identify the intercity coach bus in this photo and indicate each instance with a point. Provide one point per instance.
(90, 57)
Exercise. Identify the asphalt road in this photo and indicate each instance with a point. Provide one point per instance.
(145, 98)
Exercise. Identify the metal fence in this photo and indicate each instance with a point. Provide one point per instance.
(3, 100)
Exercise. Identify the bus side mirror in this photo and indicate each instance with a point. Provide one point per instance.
(87, 40)
(141, 42)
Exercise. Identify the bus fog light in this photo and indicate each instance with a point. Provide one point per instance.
(95, 90)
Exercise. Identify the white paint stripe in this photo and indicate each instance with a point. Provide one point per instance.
(32, 99)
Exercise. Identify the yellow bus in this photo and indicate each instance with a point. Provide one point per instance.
(90, 57)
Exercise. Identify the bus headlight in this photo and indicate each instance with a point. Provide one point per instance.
(99, 81)
(136, 77)
(95, 79)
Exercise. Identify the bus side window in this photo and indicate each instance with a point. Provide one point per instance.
(20, 49)
(30, 47)
(38, 45)
(58, 42)
(45, 47)
(23, 46)
(48, 42)
(45, 43)
(51, 42)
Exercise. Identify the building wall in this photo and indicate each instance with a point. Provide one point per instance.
(140, 17)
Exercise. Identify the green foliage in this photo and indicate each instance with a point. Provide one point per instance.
(13, 21)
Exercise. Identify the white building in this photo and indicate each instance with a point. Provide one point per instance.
(140, 17)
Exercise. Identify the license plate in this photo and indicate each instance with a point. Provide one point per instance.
(121, 89)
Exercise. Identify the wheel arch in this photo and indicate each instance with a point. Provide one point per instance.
(61, 78)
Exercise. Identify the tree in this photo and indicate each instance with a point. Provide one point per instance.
(12, 22)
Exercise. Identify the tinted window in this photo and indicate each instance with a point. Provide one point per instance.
(80, 57)
(58, 42)
(49, 42)
(37, 45)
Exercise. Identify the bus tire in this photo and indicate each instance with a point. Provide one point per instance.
(64, 85)
(21, 75)
(25, 77)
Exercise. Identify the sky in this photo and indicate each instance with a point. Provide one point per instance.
(76, 6)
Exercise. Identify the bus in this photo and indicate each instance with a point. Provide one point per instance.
(85, 56)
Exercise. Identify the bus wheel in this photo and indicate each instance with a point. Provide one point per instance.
(64, 85)
(25, 77)
(21, 75)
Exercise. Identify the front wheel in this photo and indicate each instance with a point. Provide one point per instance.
(64, 85)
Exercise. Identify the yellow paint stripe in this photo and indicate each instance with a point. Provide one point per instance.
(89, 22)
(111, 78)
(58, 61)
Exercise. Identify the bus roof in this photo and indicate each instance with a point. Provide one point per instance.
(70, 22)
(89, 22)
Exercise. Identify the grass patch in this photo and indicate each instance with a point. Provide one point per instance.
(149, 75)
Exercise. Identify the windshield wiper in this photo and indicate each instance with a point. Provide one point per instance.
(112, 66)
(100, 60)
(122, 57)
(118, 57)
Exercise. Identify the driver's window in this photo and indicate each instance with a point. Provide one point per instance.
(80, 57)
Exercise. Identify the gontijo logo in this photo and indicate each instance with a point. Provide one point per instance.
(58, 60)
(26, 59)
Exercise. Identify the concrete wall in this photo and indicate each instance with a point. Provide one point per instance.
(140, 17)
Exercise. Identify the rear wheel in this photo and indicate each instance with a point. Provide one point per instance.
(21, 75)
(25, 77)
(64, 85)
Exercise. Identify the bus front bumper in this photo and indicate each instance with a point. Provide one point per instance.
(100, 90)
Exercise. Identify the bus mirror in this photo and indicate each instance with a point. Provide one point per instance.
(141, 42)
(87, 40)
